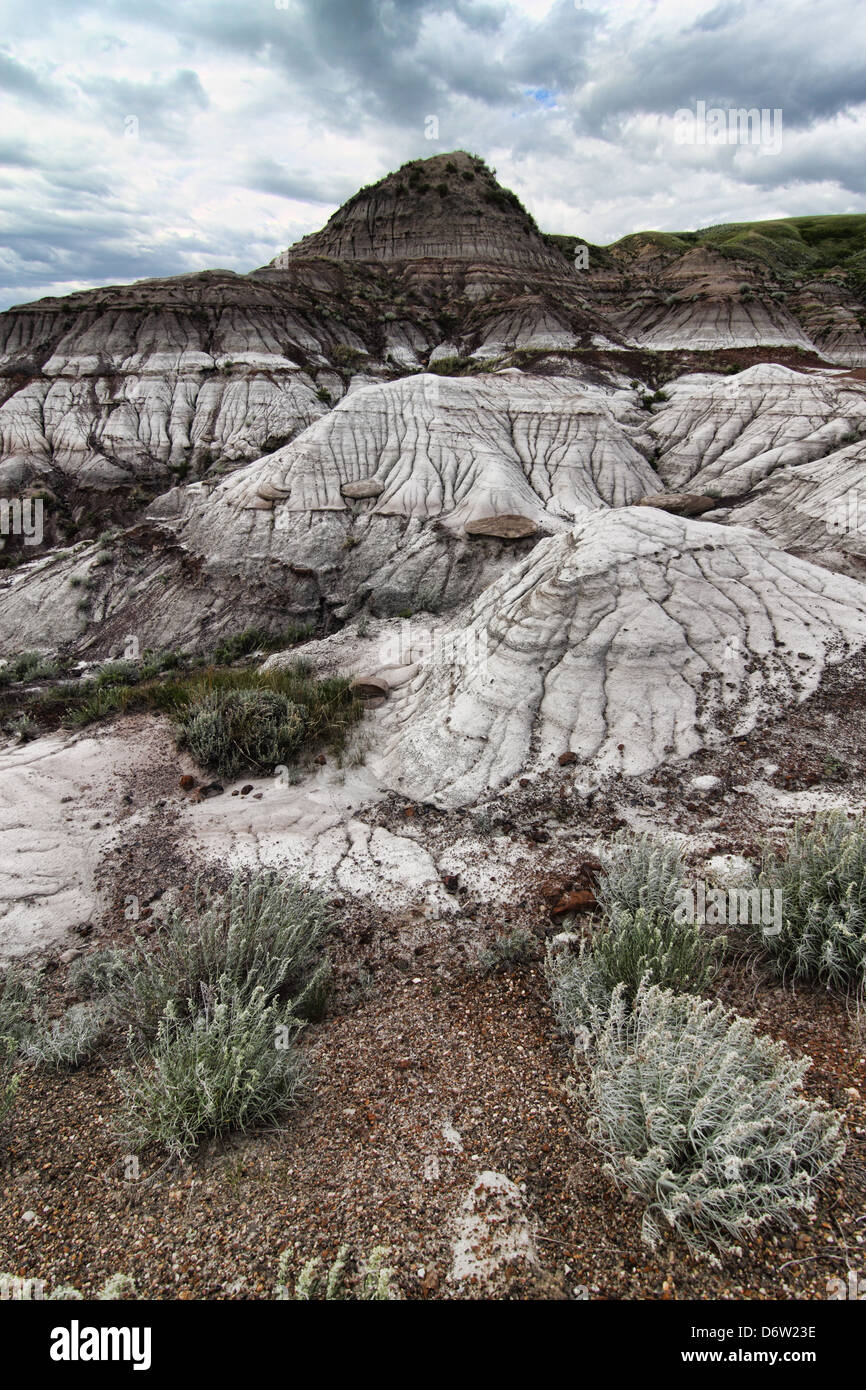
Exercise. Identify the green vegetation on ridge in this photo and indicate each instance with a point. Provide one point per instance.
(796, 245)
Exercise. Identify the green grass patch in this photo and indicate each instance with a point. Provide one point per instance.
(162, 682)
(219, 1072)
(256, 639)
(30, 666)
(237, 721)
(233, 721)
(788, 245)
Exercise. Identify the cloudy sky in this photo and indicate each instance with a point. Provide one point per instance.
(153, 139)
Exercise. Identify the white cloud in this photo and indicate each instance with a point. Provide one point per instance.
(254, 123)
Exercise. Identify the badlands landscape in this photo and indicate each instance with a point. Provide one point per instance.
(411, 628)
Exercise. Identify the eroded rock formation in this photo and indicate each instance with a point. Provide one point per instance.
(631, 639)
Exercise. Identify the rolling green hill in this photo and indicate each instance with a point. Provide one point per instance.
(788, 246)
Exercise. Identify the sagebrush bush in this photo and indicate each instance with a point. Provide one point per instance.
(29, 666)
(640, 936)
(639, 871)
(17, 994)
(65, 1043)
(233, 731)
(628, 947)
(263, 932)
(241, 644)
(14, 1288)
(704, 1120)
(9, 1079)
(578, 993)
(118, 673)
(23, 728)
(331, 705)
(99, 972)
(822, 878)
(242, 721)
(232, 1066)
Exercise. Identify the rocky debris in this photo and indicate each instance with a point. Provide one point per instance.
(205, 790)
(578, 900)
(705, 784)
(508, 528)
(679, 503)
(632, 639)
(494, 1239)
(728, 870)
(538, 835)
(366, 487)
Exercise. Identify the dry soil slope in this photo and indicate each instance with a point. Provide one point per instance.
(633, 638)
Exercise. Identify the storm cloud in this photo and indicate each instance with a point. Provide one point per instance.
(170, 137)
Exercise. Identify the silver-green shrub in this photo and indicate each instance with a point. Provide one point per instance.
(263, 933)
(98, 972)
(9, 1078)
(232, 1066)
(13, 1287)
(822, 877)
(640, 936)
(629, 946)
(639, 871)
(704, 1120)
(17, 995)
(579, 992)
(65, 1043)
(235, 731)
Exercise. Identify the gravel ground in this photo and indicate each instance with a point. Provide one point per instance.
(428, 1072)
(421, 1081)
